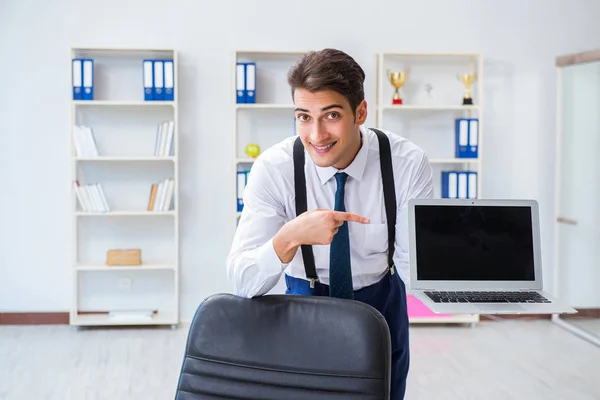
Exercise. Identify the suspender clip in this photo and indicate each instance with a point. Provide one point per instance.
(392, 270)
(312, 283)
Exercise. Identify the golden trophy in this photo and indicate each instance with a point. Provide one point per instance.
(397, 79)
(467, 80)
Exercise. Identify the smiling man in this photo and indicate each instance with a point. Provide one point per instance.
(327, 209)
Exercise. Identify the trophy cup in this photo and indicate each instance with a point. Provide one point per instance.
(467, 80)
(397, 79)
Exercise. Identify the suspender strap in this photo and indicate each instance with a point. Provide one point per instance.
(389, 192)
(300, 188)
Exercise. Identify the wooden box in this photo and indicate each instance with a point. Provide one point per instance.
(121, 257)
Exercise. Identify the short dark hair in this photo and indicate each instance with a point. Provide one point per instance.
(329, 69)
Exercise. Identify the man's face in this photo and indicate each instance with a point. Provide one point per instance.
(327, 126)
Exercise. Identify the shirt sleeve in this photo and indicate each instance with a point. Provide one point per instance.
(253, 267)
(420, 187)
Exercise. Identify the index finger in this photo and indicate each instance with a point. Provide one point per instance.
(351, 217)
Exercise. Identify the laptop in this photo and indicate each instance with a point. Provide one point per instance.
(478, 257)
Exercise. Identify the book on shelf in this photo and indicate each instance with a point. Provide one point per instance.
(163, 146)
(84, 141)
(91, 197)
(161, 195)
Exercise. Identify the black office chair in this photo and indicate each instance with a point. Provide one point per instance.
(285, 347)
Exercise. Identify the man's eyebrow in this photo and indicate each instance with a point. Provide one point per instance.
(329, 107)
(332, 106)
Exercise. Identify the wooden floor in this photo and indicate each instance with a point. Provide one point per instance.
(495, 360)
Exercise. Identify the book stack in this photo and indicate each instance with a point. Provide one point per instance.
(161, 195)
(91, 197)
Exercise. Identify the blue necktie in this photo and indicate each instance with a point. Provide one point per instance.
(340, 272)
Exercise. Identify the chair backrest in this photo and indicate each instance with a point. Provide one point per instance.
(286, 347)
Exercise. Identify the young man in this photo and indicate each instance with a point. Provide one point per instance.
(337, 245)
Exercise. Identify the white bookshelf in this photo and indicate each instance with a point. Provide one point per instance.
(427, 117)
(271, 118)
(145, 267)
(125, 129)
(427, 120)
(266, 122)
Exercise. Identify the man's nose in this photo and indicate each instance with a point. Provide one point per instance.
(318, 132)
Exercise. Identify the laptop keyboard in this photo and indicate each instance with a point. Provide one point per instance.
(486, 297)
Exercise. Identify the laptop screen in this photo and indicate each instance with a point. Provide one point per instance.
(474, 243)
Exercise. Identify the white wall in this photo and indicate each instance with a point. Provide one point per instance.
(519, 40)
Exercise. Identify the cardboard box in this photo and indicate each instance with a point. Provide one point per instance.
(122, 257)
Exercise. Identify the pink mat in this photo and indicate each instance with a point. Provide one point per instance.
(417, 309)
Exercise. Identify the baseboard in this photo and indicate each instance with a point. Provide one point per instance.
(587, 313)
(581, 313)
(62, 318)
(34, 318)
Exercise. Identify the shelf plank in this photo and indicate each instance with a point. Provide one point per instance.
(245, 160)
(122, 49)
(143, 267)
(110, 158)
(430, 107)
(159, 318)
(265, 106)
(124, 213)
(454, 161)
(428, 55)
(106, 103)
(272, 52)
(432, 161)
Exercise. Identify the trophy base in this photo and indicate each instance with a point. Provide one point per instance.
(467, 102)
(397, 101)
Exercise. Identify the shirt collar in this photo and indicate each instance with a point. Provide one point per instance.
(356, 167)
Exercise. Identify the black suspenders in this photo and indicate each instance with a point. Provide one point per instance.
(389, 195)
(300, 187)
(389, 192)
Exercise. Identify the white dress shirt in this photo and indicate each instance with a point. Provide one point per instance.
(254, 268)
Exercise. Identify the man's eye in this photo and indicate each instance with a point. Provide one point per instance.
(303, 117)
(333, 115)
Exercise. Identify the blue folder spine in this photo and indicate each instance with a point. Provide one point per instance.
(77, 78)
(88, 79)
(148, 78)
